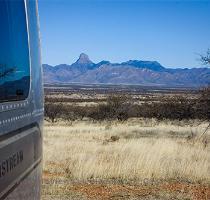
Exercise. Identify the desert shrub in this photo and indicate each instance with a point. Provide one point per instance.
(116, 108)
(171, 108)
(52, 111)
(101, 112)
(69, 115)
(176, 108)
(203, 104)
(73, 112)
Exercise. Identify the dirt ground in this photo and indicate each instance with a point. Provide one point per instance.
(56, 188)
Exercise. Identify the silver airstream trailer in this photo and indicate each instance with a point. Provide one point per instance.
(21, 101)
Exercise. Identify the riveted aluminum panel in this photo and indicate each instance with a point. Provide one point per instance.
(19, 155)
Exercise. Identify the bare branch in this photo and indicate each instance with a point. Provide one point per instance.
(205, 59)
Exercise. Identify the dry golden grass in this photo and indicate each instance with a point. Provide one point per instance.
(141, 151)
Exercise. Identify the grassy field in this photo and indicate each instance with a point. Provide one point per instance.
(136, 159)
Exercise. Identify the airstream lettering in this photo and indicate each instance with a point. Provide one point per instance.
(21, 101)
(6, 166)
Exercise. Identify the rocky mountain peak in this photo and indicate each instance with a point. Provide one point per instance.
(84, 59)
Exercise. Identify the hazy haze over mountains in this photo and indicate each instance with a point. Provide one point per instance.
(131, 72)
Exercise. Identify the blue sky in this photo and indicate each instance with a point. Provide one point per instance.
(170, 32)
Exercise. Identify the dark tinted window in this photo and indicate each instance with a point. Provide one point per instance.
(14, 53)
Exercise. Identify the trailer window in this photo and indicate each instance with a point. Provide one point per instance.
(14, 52)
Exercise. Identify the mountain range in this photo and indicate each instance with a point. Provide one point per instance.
(134, 72)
